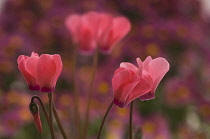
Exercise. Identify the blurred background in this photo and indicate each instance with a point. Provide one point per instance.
(176, 30)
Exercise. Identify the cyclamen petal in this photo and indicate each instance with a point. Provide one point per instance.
(26, 65)
(118, 29)
(154, 71)
(48, 70)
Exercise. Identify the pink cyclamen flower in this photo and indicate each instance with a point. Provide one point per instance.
(83, 31)
(112, 32)
(130, 82)
(94, 29)
(41, 73)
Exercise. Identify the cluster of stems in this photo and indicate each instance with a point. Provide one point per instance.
(78, 133)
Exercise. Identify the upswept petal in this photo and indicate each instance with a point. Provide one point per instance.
(146, 63)
(129, 66)
(140, 64)
(157, 69)
(46, 69)
(34, 54)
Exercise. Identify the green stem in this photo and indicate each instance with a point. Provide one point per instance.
(130, 121)
(104, 119)
(90, 91)
(59, 122)
(43, 107)
(76, 96)
(50, 96)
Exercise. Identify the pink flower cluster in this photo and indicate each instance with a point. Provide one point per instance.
(40, 72)
(93, 29)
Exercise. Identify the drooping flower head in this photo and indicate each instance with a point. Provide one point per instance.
(130, 82)
(41, 73)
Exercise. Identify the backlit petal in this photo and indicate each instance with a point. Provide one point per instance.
(46, 69)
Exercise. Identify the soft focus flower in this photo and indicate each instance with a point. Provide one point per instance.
(97, 29)
(130, 82)
(41, 73)
(27, 66)
(83, 31)
(113, 32)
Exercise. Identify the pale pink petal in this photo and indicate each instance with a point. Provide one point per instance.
(46, 69)
(73, 24)
(59, 66)
(146, 63)
(129, 66)
(140, 89)
(34, 54)
(140, 64)
(157, 69)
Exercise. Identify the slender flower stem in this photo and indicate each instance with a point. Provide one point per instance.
(130, 121)
(76, 96)
(50, 96)
(58, 122)
(43, 108)
(104, 119)
(90, 91)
